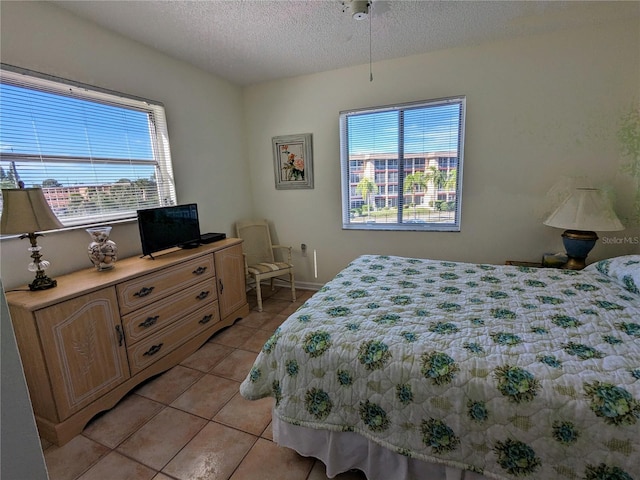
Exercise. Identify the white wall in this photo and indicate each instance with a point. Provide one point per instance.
(206, 131)
(203, 113)
(538, 108)
(20, 456)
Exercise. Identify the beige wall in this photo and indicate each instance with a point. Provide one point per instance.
(203, 113)
(538, 109)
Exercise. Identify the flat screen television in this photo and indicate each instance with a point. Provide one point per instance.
(162, 228)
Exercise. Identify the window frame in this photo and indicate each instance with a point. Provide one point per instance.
(158, 138)
(399, 170)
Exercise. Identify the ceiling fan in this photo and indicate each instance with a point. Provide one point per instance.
(359, 11)
(359, 8)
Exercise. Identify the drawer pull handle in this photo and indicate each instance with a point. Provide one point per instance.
(120, 335)
(202, 295)
(221, 286)
(199, 270)
(149, 321)
(144, 291)
(153, 350)
(206, 319)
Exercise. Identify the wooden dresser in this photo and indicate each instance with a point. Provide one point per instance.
(90, 340)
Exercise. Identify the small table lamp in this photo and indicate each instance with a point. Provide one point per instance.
(585, 211)
(26, 210)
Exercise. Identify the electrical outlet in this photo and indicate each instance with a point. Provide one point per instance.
(303, 247)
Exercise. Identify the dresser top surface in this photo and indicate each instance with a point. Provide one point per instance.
(90, 279)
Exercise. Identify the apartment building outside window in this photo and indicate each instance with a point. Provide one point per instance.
(402, 166)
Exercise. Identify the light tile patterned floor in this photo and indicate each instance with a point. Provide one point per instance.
(190, 423)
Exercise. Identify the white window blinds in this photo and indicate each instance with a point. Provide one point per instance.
(99, 156)
(402, 166)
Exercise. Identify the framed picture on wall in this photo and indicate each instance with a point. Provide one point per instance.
(293, 161)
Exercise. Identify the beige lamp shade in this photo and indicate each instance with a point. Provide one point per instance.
(586, 209)
(25, 210)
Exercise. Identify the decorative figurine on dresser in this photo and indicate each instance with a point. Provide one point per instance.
(102, 251)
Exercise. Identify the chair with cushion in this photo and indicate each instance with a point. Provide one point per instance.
(259, 260)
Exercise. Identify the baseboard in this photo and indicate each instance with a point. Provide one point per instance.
(301, 285)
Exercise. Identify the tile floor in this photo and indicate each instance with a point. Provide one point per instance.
(190, 423)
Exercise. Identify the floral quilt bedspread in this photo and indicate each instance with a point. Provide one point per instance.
(511, 372)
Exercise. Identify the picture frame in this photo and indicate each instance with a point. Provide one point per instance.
(293, 161)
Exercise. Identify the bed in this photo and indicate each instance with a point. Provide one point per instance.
(427, 369)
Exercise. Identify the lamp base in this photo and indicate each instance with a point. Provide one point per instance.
(574, 264)
(578, 244)
(42, 283)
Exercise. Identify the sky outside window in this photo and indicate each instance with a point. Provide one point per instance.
(51, 128)
(426, 129)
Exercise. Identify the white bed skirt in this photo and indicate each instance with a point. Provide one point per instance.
(344, 451)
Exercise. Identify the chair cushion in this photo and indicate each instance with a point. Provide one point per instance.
(259, 268)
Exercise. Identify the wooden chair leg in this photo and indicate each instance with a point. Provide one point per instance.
(293, 287)
(258, 295)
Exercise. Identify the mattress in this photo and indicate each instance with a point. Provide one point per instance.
(508, 372)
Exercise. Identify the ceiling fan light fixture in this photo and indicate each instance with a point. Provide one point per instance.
(359, 8)
(359, 11)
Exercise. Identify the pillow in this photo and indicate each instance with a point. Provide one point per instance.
(625, 270)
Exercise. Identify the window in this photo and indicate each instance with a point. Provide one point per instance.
(99, 156)
(408, 160)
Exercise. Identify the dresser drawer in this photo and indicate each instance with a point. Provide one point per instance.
(147, 289)
(152, 318)
(163, 342)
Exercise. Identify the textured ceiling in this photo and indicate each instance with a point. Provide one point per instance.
(253, 41)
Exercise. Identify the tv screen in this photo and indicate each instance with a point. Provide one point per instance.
(166, 227)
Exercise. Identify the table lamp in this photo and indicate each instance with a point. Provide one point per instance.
(26, 210)
(585, 211)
